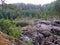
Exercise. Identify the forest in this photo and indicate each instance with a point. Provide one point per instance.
(19, 10)
(13, 22)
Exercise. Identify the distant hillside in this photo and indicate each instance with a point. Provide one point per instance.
(19, 10)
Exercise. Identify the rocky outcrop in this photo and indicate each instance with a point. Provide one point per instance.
(44, 32)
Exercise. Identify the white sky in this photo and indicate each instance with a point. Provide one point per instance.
(30, 1)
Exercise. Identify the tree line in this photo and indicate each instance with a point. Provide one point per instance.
(18, 10)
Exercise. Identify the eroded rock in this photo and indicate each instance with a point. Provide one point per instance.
(44, 32)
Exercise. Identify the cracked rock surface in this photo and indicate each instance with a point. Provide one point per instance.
(43, 32)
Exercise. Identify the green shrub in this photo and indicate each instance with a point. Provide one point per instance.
(8, 27)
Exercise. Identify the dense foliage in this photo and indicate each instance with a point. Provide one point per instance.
(57, 6)
(18, 10)
(9, 12)
(9, 28)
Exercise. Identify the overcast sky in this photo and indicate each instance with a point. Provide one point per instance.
(30, 1)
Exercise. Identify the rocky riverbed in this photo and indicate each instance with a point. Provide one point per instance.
(43, 32)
